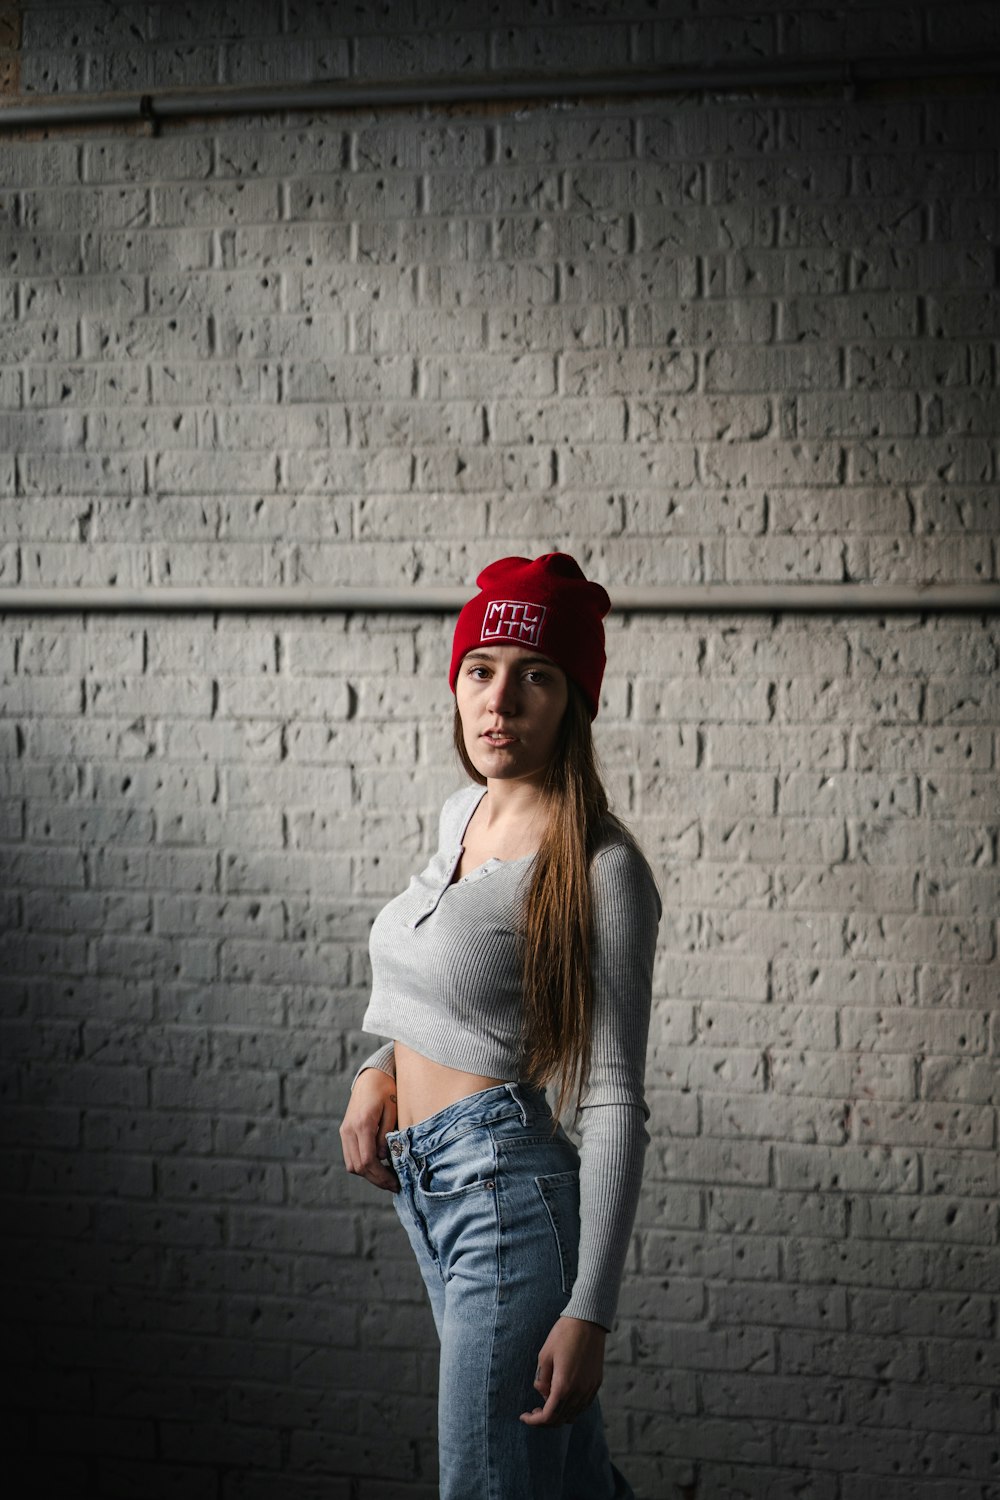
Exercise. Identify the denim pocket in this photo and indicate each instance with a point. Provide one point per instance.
(560, 1192)
(465, 1165)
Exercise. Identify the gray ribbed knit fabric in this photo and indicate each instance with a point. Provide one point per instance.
(446, 982)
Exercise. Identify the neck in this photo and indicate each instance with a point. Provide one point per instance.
(512, 802)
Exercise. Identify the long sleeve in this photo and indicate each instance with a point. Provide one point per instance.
(626, 911)
(384, 1058)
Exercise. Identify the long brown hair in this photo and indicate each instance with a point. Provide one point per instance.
(555, 951)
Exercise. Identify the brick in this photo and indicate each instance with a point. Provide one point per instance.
(69, 911)
(809, 699)
(864, 1486)
(176, 1088)
(900, 221)
(940, 844)
(846, 887)
(44, 651)
(711, 1160)
(963, 701)
(930, 1313)
(961, 1409)
(965, 460)
(959, 987)
(768, 1117)
(862, 315)
(121, 1131)
(923, 1124)
(968, 314)
(144, 1045)
(703, 1349)
(908, 1031)
(37, 1127)
(724, 1023)
(747, 1211)
(775, 1397)
(926, 937)
(804, 1352)
(959, 1362)
(762, 837)
(816, 1168)
(219, 1181)
(829, 1075)
(875, 365)
(922, 749)
(768, 560)
(159, 869)
(246, 960)
(778, 1306)
(938, 1219)
(58, 1173)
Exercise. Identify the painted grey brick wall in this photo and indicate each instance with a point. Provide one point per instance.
(732, 338)
(139, 44)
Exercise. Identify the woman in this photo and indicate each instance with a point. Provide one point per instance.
(522, 955)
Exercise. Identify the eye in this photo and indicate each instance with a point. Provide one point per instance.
(536, 674)
(475, 668)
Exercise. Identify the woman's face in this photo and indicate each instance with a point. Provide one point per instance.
(511, 703)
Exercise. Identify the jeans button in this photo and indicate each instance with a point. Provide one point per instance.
(396, 1147)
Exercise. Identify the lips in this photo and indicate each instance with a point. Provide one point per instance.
(498, 738)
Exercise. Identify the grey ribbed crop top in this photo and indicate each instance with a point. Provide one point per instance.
(446, 982)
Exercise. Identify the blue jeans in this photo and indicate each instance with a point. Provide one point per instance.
(490, 1199)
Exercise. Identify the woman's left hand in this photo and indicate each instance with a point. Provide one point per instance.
(569, 1374)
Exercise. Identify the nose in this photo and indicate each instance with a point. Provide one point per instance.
(503, 692)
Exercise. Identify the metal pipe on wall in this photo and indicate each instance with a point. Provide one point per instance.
(847, 73)
(840, 598)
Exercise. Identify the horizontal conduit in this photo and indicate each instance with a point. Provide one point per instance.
(843, 598)
(850, 74)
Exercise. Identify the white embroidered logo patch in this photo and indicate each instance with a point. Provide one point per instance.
(513, 620)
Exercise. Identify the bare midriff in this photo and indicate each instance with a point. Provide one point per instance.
(423, 1087)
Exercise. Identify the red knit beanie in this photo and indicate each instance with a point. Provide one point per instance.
(546, 603)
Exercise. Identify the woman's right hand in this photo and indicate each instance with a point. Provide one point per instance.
(371, 1112)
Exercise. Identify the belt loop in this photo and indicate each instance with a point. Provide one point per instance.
(515, 1093)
